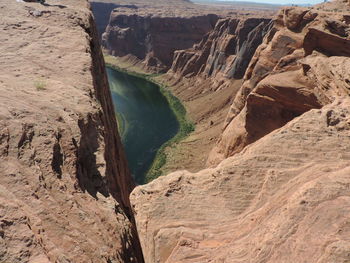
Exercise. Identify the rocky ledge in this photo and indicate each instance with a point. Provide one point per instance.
(284, 198)
(301, 65)
(279, 187)
(64, 181)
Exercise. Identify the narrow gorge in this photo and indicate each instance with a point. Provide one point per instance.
(259, 173)
(269, 96)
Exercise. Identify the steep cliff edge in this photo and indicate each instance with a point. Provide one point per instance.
(283, 195)
(284, 198)
(301, 65)
(64, 184)
(227, 49)
(102, 12)
(206, 77)
(151, 35)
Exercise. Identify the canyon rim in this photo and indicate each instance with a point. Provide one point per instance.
(264, 176)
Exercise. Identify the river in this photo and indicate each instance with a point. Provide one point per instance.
(144, 117)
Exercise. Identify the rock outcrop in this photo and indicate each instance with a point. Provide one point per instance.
(280, 190)
(145, 36)
(102, 12)
(226, 50)
(64, 184)
(206, 78)
(302, 64)
(284, 198)
(152, 35)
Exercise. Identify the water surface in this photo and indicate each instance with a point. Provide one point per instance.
(145, 119)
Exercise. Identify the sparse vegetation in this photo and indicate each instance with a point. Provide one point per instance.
(40, 85)
(185, 128)
(185, 125)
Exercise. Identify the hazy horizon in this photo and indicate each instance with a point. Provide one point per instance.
(278, 2)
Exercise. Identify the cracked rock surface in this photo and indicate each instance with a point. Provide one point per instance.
(64, 195)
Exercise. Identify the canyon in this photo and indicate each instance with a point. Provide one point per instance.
(145, 120)
(291, 73)
(264, 177)
(201, 80)
(270, 100)
(149, 32)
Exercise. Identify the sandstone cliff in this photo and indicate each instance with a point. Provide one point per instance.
(102, 12)
(64, 181)
(227, 49)
(285, 198)
(302, 64)
(283, 195)
(152, 35)
(206, 77)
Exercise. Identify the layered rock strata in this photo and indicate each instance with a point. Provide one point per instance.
(302, 64)
(64, 184)
(284, 198)
(280, 191)
(204, 77)
(152, 35)
(226, 50)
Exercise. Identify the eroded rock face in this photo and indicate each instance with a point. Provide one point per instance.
(102, 12)
(151, 37)
(227, 49)
(204, 77)
(284, 198)
(302, 64)
(283, 195)
(64, 181)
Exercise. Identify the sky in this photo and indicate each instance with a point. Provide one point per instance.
(282, 2)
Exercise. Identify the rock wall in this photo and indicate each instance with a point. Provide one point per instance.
(301, 65)
(279, 192)
(102, 12)
(151, 37)
(204, 75)
(204, 78)
(64, 184)
(285, 198)
(226, 50)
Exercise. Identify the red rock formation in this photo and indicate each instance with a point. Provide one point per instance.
(203, 77)
(227, 50)
(284, 198)
(152, 37)
(64, 181)
(284, 194)
(301, 65)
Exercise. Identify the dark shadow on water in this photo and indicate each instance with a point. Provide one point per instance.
(145, 119)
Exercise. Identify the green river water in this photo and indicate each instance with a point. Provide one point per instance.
(144, 117)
